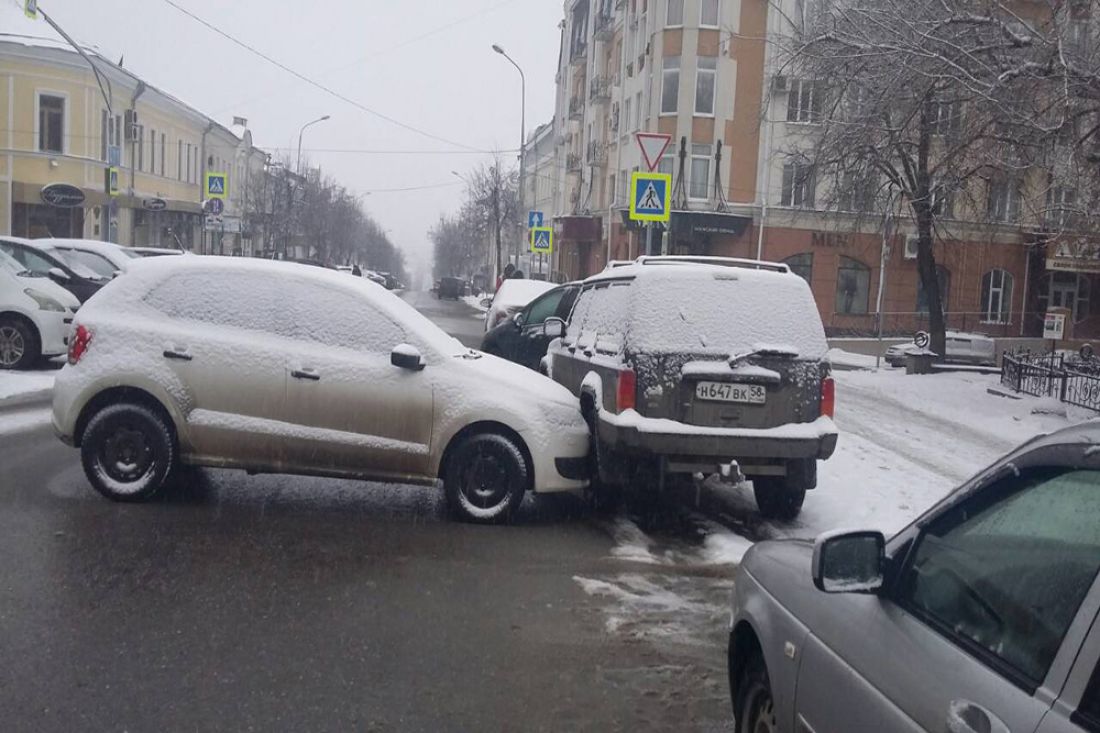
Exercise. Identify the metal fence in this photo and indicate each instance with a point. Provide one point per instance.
(1072, 379)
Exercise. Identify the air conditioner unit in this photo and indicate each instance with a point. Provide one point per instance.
(779, 83)
(130, 128)
(911, 248)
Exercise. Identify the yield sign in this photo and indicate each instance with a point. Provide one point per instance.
(653, 145)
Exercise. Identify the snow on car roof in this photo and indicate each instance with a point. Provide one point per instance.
(145, 273)
(521, 292)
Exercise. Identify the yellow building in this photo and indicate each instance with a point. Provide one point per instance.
(58, 139)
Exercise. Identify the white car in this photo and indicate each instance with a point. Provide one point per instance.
(282, 368)
(105, 258)
(511, 297)
(962, 348)
(35, 314)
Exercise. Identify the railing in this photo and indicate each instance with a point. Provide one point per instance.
(600, 87)
(573, 162)
(596, 153)
(603, 26)
(1074, 380)
(576, 107)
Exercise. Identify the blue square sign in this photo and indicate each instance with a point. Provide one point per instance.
(534, 219)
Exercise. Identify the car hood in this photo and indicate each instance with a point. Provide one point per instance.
(521, 383)
(783, 569)
(52, 289)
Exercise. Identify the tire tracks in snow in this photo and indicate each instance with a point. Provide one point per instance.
(939, 445)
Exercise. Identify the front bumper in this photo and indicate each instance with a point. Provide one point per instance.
(674, 440)
(53, 328)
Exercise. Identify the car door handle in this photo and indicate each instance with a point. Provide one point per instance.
(964, 716)
(306, 374)
(177, 353)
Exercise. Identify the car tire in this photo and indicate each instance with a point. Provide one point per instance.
(127, 452)
(486, 478)
(754, 707)
(20, 347)
(776, 499)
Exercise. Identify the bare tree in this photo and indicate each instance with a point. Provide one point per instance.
(948, 105)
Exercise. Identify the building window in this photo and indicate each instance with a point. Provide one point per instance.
(675, 15)
(51, 123)
(104, 134)
(996, 297)
(163, 152)
(943, 200)
(804, 101)
(945, 118)
(798, 185)
(705, 74)
(802, 265)
(670, 85)
(700, 171)
(198, 172)
(943, 278)
(853, 286)
(858, 192)
(188, 162)
(666, 165)
(708, 13)
(139, 145)
(179, 160)
(1066, 290)
(1004, 200)
(1061, 208)
(628, 115)
(152, 151)
(638, 112)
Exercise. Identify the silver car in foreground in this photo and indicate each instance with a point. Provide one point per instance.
(980, 617)
(274, 367)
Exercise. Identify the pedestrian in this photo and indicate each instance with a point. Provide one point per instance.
(517, 275)
(508, 270)
(356, 271)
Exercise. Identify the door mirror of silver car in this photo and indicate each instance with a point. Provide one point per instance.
(58, 275)
(849, 562)
(404, 356)
(518, 319)
(553, 328)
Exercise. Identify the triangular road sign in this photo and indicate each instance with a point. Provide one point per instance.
(653, 145)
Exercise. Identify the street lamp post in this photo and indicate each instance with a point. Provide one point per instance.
(522, 136)
(298, 165)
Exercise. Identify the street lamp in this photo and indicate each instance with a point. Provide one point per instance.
(522, 128)
(298, 166)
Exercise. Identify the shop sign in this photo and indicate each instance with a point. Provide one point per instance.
(154, 204)
(1054, 326)
(1080, 255)
(62, 195)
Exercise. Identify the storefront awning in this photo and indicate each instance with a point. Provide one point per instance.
(699, 223)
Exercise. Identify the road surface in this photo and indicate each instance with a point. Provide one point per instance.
(273, 603)
(453, 316)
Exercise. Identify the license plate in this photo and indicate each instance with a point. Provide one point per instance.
(753, 394)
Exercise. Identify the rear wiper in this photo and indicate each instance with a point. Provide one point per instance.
(764, 350)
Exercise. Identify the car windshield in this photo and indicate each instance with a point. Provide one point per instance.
(101, 266)
(12, 265)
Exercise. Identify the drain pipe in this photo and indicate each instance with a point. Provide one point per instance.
(135, 142)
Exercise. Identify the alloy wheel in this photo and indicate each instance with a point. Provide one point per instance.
(12, 346)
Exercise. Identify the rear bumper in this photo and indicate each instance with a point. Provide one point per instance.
(667, 438)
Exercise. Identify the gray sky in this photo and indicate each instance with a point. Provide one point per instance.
(376, 52)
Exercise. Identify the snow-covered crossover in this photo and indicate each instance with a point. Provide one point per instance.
(282, 368)
(689, 366)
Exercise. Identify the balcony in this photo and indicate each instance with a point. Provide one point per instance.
(573, 162)
(599, 88)
(578, 52)
(613, 120)
(596, 154)
(576, 108)
(604, 26)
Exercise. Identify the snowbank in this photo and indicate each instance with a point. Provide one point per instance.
(15, 384)
(474, 301)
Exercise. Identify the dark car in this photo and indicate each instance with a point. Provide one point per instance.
(451, 287)
(704, 365)
(522, 338)
(44, 260)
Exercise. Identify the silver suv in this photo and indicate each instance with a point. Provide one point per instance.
(701, 365)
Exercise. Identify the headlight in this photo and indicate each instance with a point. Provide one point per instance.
(44, 301)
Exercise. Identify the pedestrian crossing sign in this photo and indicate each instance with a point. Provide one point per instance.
(649, 196)
(217, 185)
(542, 240)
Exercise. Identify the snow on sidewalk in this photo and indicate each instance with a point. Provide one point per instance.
(16, 384)
(474, 301)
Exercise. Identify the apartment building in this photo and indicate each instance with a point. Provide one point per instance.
(60, 139)
(701, 71)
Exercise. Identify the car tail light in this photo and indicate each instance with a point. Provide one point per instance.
(828, 396)
(78, 344)
(628, 387)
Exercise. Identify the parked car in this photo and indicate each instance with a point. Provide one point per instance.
(684, 368)
(981, 615)
(962, 348)
(375, 277)
(42, 260)
(522, 338)
(451, 287)
(104, 258)
(274, 367)
(154, 251)
(511, 297)
(35, 314)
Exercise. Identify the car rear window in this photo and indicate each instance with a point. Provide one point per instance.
(726, 312)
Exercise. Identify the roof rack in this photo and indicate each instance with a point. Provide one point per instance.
(719, 261)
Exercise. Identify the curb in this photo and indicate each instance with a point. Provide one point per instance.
(39, 398)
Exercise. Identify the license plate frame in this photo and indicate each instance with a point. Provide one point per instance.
(741, 393)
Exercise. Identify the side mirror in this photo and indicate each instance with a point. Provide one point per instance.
(405, 356)
(849, 562)
(58, 275)
(518, 319)
(115, 274)
(553, 328)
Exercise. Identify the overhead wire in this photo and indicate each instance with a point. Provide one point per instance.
(318, 85)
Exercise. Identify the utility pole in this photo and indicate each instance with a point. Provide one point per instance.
(522, 145)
